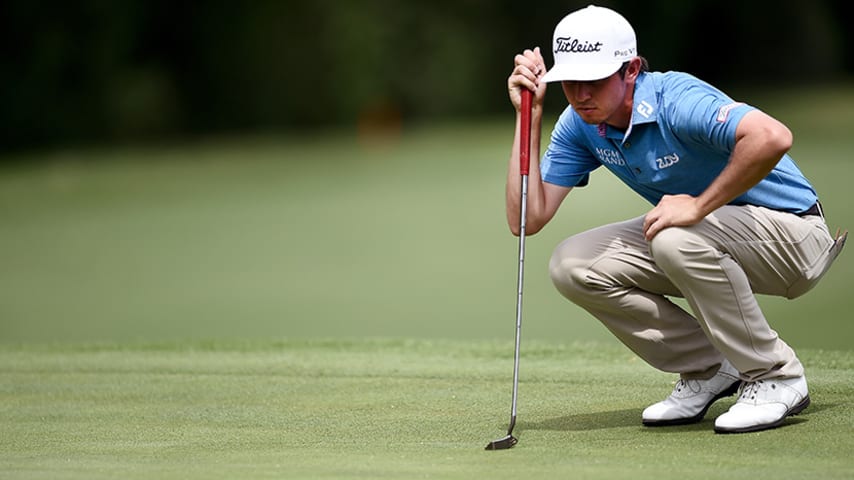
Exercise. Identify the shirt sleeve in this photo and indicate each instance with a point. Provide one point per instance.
(567, 161)
(704, 115)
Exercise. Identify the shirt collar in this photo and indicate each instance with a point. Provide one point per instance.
(644, 108)
(645, 100)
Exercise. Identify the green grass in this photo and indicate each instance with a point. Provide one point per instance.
(140, 289)
(317, 236)
(329, 409)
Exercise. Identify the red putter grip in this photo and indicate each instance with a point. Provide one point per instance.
(525, 132)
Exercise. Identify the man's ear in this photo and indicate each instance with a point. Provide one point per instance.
(634, 68)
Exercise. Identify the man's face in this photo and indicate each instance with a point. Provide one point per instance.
(600, 101)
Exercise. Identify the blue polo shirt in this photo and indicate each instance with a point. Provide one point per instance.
(681, 136)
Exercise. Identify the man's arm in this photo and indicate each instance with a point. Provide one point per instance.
(761, 141)
(543, 198)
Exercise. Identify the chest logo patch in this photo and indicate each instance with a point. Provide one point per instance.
(611, 157)
(667, 161)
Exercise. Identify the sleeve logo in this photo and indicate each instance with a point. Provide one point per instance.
(723, 112)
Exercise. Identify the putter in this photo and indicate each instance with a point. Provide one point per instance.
(524, 160)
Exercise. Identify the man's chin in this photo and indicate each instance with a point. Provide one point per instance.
(590, 119)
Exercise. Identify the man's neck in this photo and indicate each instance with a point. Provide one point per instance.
(623, 117)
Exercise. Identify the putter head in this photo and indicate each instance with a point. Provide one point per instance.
(502, 443)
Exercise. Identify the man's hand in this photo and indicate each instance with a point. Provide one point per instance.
(672, 211)
(529, 68)
(760, 142)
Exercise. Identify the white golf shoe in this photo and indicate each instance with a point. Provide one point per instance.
(764, 404)
(691, 399)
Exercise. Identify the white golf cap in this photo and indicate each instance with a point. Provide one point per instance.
(590, 44)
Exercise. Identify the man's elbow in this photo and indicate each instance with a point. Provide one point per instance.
(775, 137)
(766, 133)
(779, 139)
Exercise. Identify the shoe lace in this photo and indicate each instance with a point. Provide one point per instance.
(750, 389)
(686, 384)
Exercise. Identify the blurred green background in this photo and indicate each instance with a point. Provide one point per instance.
(186, 170)
(91, 71)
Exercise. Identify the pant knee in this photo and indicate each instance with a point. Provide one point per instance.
(570, 274)
(670, 249)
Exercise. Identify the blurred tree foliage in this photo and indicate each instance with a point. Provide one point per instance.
(103, 70)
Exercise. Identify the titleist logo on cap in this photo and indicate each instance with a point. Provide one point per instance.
(574, 45)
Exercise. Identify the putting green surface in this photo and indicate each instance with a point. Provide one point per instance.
(142, 290)
(385, 409)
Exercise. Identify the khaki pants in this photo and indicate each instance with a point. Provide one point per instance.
(718, 266)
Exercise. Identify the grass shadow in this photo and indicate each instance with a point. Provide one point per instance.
(631, 418)
(816, 407)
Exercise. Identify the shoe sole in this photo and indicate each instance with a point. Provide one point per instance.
(731, 390)
(767, 426)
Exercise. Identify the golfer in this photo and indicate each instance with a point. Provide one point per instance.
(731, 216)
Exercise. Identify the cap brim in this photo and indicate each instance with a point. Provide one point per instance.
(580, 73)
